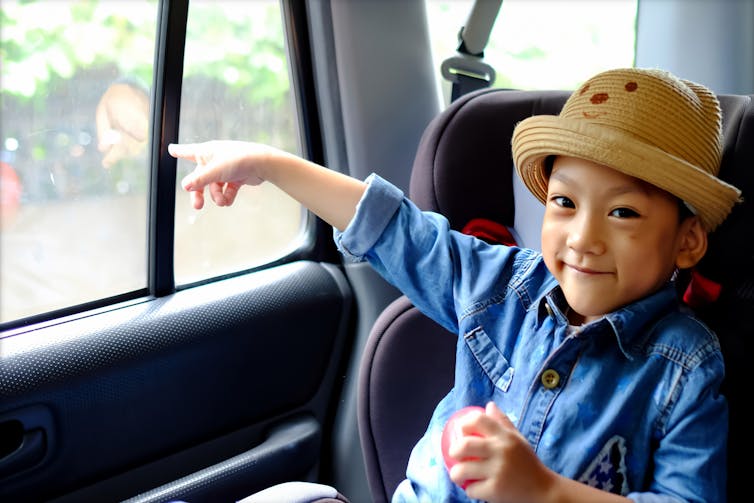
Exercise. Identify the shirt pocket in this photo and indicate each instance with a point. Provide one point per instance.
(489, 357)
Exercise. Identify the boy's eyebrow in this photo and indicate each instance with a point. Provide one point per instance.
(640, 187)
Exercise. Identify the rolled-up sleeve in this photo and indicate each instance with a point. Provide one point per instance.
(373, 213)
(418, 253)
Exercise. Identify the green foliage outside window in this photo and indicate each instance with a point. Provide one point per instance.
(60, 56)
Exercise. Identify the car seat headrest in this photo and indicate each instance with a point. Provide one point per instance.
(463, 166)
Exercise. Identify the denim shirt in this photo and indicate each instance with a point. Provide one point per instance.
(628, 403)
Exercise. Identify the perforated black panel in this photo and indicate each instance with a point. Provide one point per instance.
(143, 381)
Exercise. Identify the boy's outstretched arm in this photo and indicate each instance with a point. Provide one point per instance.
(223, 167)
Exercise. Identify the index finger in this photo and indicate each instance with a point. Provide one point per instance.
(183, 151)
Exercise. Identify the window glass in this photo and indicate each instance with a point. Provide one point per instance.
(542, 44)
(74, 131)
(236, 85)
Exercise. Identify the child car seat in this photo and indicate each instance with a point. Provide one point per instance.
(464, 170)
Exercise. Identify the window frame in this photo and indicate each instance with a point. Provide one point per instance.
(170, 40)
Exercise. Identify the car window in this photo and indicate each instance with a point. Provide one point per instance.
(530, 51)
(74, 123)
(236, 85)
(74, 158)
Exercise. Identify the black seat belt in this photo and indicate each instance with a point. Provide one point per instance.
(467, 70)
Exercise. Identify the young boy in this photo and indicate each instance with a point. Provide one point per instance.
(598, 384)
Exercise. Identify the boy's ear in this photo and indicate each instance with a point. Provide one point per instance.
(693, 244)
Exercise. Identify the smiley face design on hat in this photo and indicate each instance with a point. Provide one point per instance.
(597, 98)
(645, 123)
(636, 104)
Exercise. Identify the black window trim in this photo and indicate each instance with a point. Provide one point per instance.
(166, 106)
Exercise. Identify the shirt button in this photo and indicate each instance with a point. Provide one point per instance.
(550, 378)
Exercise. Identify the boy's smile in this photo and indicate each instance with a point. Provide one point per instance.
(609, 238)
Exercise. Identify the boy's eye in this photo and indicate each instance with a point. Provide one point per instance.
(624, 213)
(563, 201)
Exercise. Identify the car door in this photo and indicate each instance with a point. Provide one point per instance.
(151, 351)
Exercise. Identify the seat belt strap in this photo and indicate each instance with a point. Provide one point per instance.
(466, 70)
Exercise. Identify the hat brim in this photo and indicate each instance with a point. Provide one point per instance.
(537, 137)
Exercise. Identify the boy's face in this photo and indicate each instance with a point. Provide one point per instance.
(607, 237)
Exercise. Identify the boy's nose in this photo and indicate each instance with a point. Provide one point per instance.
(585, 235)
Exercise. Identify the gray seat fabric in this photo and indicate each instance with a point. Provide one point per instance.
(463, 169)
(407, 368)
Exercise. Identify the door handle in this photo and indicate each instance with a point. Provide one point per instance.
(25, 439)
(30, 451)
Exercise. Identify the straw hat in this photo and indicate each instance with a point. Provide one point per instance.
(645, 123)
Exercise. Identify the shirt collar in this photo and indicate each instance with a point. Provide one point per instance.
(628, 324)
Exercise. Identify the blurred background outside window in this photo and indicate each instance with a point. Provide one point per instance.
(75, 133)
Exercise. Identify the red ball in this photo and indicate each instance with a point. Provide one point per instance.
(451, 432)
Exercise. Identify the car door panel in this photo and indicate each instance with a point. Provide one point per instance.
(287, 451)
(206, 372)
